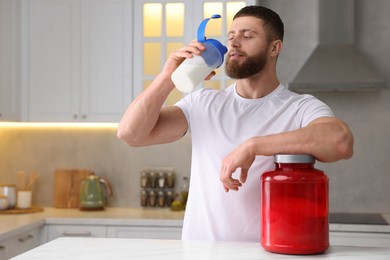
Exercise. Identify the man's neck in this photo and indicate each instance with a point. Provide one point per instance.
(257, 86)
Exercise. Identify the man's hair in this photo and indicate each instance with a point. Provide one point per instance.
(272, 22)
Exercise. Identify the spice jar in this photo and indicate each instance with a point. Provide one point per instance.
(161, 180)
(152, 198)
(294, 207)
(170, 180)
(184, 191)
(144, 180)
(161, 199)
(152, 180)
(169, 198)
(144, 198)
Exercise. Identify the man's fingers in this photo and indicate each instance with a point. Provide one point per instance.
(243, 175)
(231, 184)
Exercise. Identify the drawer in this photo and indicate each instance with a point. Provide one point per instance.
(55, 231)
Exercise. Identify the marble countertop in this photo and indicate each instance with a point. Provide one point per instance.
(116, 248)
(11, 224)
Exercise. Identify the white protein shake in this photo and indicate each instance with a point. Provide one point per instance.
(190, 73)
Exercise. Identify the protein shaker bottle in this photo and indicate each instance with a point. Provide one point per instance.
(194, 70)
(294, 207)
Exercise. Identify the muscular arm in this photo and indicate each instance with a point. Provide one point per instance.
(146, 121)
(327, 139)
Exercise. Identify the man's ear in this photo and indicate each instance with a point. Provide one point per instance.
(276, 48)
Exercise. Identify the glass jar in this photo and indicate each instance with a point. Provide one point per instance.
(152, 180)
(294, 207)
(144, 180)
(161, 180)
(169, 198)
(152, 197)
(170, 180)
(184, 190)
(161, 199)
(144, 198)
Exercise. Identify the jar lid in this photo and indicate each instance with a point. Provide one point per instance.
(294, 158)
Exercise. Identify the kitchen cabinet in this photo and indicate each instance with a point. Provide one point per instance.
(78, 56)
(369, 239)
(9, 39)
(112, 231)
(20, 243)
(55, 231)
(144, 232)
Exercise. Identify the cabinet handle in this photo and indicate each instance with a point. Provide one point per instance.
(84, 116)
(24, 239)
(75, 116)
(77, 234)
(2, 248)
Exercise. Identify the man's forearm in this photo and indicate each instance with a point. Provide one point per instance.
(327, 139)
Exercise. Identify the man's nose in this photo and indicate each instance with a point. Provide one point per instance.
(235, 42)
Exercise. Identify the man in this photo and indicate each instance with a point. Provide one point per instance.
(235, 131)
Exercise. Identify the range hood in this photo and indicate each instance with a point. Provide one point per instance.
(335, 64)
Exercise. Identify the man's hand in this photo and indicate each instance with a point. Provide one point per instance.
(178, 56)
(242, 157)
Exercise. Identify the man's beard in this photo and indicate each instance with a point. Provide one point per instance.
(251, 66)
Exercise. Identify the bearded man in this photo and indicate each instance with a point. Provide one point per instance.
(235, 131)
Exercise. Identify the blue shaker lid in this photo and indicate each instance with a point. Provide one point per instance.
(202, 38)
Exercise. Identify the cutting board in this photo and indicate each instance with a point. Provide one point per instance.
(67, 187)
(33, 209)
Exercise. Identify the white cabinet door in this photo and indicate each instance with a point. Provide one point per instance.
(79, 57)
(53, 43)
(147, 232)
(360, 239)
(105, 59)
(55, 231)
(20, 243)
(9, 37)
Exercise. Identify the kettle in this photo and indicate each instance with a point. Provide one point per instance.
(94, 192)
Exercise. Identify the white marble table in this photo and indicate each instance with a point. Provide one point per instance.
(114, 248)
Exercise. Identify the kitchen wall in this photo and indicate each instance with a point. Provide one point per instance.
(45, 149)
(360, 184)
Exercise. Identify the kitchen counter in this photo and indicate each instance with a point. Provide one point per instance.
(10, 224)
(114, 248)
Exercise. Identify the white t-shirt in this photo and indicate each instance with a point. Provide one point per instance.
(219, 121)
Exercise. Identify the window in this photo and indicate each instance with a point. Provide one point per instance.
(168, 25)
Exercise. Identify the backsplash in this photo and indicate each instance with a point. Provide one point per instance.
(46, 149)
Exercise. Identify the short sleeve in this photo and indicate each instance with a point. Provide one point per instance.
(310, 108)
